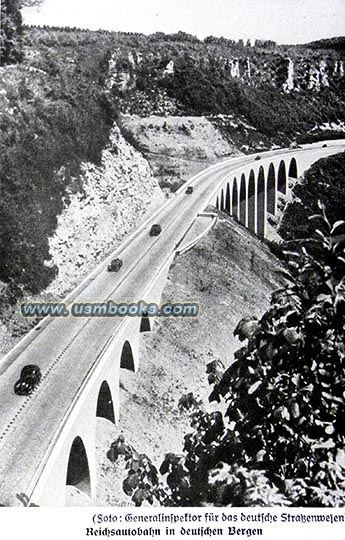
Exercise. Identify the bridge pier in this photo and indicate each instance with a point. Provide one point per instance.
(252, 196)
(73, 460)
(70, 456)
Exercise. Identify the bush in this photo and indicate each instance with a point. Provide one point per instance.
(285, 396)
(279, 440)
(11, 46)
(324, 180)
(52, 122)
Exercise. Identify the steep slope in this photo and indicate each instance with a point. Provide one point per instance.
(177, 147)
(71, 186)
(279, 90)
(59, 104)
(109, 201)
(230, 274)
(324, 182)
(113, 199)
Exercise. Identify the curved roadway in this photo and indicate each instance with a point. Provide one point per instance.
(66, 349)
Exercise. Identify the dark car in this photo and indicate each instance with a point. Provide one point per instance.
(324, 145)
(115, 265)
(155, 230)
(257, 158)
(189, 190)
(29, 378)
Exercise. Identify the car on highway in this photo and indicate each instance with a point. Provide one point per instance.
(30, 377)
(189, 190)
(257, 158)
(155, 230)
(324, 145)
(115, 265)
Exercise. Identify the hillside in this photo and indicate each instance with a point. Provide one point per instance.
(93, 125)
(230, 274)
(324, 181)
(177, 147)
(181, 103)
(255, 96)
(279, 90)
(336, 43)
(71, 186)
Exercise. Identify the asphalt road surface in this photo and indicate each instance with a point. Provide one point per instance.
(66, 349)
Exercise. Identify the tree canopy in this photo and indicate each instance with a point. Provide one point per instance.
(10, 32)
(278, 436)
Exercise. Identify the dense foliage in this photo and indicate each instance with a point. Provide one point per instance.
(57, 109)
(324, 180)
(11, 48)
(337, 43)
(211, 89)
(55, 114)
(220, 76)
(11, 30)
(278, 436)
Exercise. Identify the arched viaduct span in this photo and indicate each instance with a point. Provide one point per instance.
(48, 440)
(252, 192)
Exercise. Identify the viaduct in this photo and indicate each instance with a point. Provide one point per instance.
(48, 439)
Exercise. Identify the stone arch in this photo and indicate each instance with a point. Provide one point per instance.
(293, 168)
(145, 324)
(261, 203)
(282, 177)
(271, 190)
(217, 203)
(105, 407)
(243, 200)
(127, 360)
(234, 199)
(251, 202)
(227, 199)
(78, 472)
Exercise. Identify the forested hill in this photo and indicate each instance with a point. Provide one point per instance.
(324, 182)
(61, 90)
(337, 43)
(279, 90)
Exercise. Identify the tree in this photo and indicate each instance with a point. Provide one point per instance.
(10, 32)
(11, 29)
(42, 145)
(280, 431)
(325, 179)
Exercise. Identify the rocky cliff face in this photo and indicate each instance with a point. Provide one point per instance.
(281, 91)
(110, 201)
(177, 147)
(286, 70)
(113, 199)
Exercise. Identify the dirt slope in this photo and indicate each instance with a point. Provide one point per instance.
(230, 274)
(177, 147)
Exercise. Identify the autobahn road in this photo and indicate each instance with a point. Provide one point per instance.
(66, 348)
